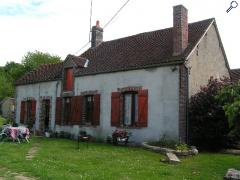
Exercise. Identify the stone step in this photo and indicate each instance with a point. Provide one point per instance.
(172, 158)
(232, 174)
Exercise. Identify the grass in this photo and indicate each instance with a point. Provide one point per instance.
(60, 159)
(2, 120)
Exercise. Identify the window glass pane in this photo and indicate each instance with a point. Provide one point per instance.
(127, 109)
(136, 107)
(89, 109)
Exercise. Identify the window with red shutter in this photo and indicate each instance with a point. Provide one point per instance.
(129, 108)
(22, 113)
(115, 109)
(142, 108)
(68, 79)
(58, 113)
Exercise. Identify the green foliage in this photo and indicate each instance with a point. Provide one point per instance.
(13, 71)
(229, 97)
(34, 59)
(2, 121)
(6, 87)
(208, 125)
(181, 147)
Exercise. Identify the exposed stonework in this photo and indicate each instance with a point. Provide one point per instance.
(183, 99)
(97, 35)
(180, 29)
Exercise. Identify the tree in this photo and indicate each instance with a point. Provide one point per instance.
(208, 125)
(14, 70)
(229, 97)
(34, 59)
(6, 87)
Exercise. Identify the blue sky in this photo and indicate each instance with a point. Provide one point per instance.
(61, 27)
(20, 8)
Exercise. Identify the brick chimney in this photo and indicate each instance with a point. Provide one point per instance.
(180, 29)
(97, 35)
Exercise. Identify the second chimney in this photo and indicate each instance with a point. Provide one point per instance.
(180, 29)
(97, 35)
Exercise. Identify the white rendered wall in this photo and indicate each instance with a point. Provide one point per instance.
(163, 107)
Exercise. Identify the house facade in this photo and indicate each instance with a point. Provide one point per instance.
(140, 83)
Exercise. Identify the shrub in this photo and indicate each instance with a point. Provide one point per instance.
(229, 96)
(181, 147)
(208, 125)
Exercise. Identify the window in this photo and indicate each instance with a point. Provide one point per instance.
(28, 112)
(68, 84)
(130, 108)
(67, 110)
(78, 110)
(45, 115)
(89, 109)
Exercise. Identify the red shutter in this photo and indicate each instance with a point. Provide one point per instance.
(142, 108)
(96, 110)
(73, 111)
(22, 113)
(58, 112)
(69, 79)
(115, 109)
(76, 110)
(33, 111)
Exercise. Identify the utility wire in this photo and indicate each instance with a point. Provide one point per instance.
(116, 14)
(103, 26)
(90, 22)
(82, 47)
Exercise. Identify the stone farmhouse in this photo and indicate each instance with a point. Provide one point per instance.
(141, 83)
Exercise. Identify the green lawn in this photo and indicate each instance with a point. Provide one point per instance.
(2, 120)
(60, 159)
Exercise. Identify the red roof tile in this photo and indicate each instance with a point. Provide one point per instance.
(143, 50)
(46, 72)
(235, 74)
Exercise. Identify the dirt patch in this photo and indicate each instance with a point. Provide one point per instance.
(21, 177)
(7, 174)
(32, 152)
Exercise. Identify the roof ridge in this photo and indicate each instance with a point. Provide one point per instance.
(138, 34)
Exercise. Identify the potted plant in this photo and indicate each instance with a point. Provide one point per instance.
(120, 136)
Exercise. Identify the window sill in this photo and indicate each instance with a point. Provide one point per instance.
(88, 125)
(130, 127)
(67, 93)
